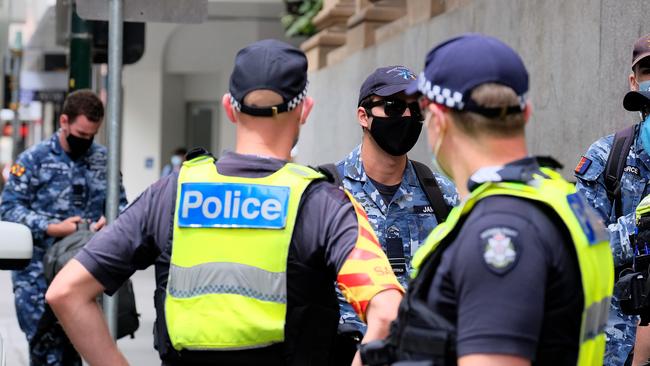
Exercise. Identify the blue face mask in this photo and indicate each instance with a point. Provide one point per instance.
(645, 125)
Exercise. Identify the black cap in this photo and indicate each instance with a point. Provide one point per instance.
(386, 81)
(457, 66)
(273, 65)
(641, 49)
(638, 100)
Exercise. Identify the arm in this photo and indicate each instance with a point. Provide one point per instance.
(492, 360)
(641, 346)
(18, 196)
(367, 274)
(72, 296)
(591, 183)
(619, 231)
(381, 311)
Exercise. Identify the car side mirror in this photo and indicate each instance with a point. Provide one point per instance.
(16, 246)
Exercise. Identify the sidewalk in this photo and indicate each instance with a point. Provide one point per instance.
(139, 351)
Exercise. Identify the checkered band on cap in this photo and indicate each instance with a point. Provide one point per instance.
(439, 94)
(291, 105)
(445, 96)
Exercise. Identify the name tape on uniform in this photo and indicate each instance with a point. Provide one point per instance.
(233, 205)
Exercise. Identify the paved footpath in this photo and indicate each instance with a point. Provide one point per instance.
(139, 351)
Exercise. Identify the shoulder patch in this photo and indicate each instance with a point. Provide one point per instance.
(17, 170)
(500, 251)
(582, 166)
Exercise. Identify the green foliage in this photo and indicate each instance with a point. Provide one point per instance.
(298, 21)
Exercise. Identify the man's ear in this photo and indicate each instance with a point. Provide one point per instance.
(63, 120)
(228, 108)
(528, 111)
(362, 116)
(307, 106)
(634, 85)
(440, 116)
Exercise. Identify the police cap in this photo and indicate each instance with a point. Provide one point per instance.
(457, 66)
(273, 65)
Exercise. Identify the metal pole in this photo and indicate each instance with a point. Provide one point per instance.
(115, 28)
(16, 56)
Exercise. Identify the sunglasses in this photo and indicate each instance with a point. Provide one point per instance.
(395, 107)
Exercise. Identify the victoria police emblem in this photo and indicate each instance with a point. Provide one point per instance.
(499, 249)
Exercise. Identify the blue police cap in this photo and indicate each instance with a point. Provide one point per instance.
(457, 66)
(273, 65)
(386, 81)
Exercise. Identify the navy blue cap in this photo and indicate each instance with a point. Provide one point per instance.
(457, 66)
(273, 65)
(638, 100)
(386, 81)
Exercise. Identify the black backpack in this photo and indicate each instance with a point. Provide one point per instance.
(65, 249)
(615, 165)
(425, 177)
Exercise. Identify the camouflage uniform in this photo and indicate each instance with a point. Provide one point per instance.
(46, 187)
(621, 328)
(402, 218)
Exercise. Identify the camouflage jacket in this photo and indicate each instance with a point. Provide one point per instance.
(45, 186)
(621, 328)
(408, 218)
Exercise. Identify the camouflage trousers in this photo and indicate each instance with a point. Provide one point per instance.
(48, 344)
(620, 334)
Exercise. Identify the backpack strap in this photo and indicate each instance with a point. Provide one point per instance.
(616, 164)
(331, 173)
(430, 187)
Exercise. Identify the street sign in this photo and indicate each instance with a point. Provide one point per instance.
(165, 11)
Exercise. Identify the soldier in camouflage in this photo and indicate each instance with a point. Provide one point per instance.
(621, 328)
(380, 176)
(53, 186)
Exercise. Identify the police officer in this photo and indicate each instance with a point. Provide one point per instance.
(496, 283)
(380, 176)
(53, 186)
(619, 217)
(245, 249)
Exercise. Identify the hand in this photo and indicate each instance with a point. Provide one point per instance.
(63, 228)
(99, 224)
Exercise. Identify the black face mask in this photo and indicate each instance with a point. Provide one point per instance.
(78, 146)
(396, 135)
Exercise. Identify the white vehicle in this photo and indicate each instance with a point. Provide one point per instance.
(15, 253)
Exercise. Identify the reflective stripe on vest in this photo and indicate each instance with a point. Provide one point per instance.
(227, 278)
(587, 233)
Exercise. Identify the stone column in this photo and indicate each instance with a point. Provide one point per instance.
(369, 15)
(331, 23)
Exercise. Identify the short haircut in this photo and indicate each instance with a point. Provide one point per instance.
(491, 95)
(180, 151)
(644, 62)
(83, 103)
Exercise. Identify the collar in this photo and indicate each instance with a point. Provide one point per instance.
(55, 144)
(637, 151)
(353, 169)
(521, 170)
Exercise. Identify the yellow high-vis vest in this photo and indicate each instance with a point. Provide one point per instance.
(587, 233)
(227, 285)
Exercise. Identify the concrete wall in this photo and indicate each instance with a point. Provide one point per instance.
(578, 54)
(143, 95)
